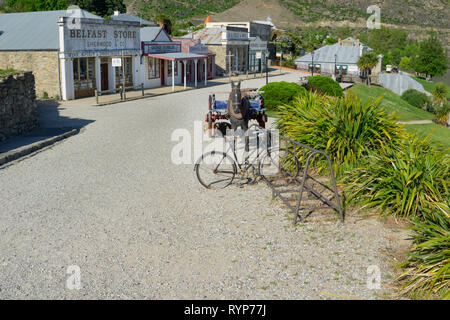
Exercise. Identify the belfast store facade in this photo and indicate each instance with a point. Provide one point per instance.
(86, 53)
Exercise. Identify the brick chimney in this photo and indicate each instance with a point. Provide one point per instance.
(357, 42)
(339, 42)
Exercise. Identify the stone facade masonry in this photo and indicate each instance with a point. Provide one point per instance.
(43, 64)
(18, 110)
(222, 61)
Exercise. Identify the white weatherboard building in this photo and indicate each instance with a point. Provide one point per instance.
(86, 49)
(70, 52)
(341, 57)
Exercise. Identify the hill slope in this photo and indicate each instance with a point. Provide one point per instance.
(429, 13)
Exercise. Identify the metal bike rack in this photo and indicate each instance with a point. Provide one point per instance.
(315, 188)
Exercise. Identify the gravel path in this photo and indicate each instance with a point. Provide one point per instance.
(110, 201)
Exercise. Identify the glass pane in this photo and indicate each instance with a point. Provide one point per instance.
(83, 68)
(91, 68)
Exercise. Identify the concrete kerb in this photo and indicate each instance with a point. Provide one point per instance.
(170, 92)
(32, 149)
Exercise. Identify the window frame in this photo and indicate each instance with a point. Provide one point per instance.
(156, 68)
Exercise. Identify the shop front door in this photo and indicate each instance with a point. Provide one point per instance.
(163, 74)
(104, 77)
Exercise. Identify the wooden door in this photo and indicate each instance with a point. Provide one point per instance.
(104, 77)
(162, 73)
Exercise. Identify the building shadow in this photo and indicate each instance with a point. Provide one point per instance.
(50, 124)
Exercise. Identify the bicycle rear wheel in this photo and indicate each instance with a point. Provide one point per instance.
(215, 170)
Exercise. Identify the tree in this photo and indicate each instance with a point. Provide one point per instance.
(165, 22)
(35, 5)
(366, 62)
(431, 59)
(100, 7)
(405, 64)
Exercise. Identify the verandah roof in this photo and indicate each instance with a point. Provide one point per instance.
(174, 56)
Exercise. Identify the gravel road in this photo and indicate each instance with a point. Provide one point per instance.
(110, 201)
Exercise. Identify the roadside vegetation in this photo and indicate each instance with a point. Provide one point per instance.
(383, 166)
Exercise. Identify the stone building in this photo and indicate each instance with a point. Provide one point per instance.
(230, 44)
(70, 51)
(259, 35)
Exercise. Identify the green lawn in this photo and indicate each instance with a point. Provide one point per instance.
(429, 85)
(392, 102)
(440, 135)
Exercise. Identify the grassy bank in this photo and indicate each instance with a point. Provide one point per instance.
(439, 135)
(392, 102)
(429, 85)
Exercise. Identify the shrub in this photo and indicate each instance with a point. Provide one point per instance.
(427, 269)
(439, 92)
(417, 99)
(441, 113)
(278, 93)
(325, 85)
(401, 180)
(345, 128)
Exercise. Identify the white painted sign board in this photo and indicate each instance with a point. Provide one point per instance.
(116, 62)
(258, 55)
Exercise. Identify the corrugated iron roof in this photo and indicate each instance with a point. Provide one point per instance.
(345, 54)
(186, 43)
(34, 30)
(130, 17)
(177, 56)
(149, 33)
(206, 35)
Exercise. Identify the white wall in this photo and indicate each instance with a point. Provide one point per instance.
(137, 71)
(68, 91)
(111, 75)
(155, 83)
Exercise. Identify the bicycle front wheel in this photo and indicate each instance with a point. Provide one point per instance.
(215, 170)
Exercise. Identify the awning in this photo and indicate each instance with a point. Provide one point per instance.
(175, 56)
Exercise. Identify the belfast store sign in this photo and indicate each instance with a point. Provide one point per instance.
(98, 37)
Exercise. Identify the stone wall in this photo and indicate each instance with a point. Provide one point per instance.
(220, 60)
(43, 64)
(18, 110)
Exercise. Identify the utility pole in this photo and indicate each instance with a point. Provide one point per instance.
(267, 69)
(229, 64)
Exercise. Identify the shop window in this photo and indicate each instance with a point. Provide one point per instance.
(317, 68)
(153, 68)
(342, 69)
(84, 73)
(127, 68)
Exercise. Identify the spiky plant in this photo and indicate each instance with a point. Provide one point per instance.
(427, 269)
(346, 128)
(401, 181)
